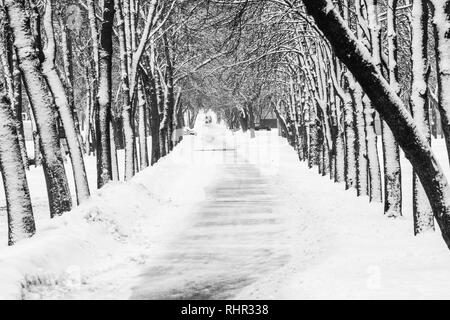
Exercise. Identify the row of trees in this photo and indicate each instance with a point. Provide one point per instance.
(110, 73)
(105, 75)
(332, 69)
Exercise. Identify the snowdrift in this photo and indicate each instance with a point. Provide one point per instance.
(118, 224)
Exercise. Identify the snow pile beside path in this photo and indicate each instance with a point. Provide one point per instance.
(118, 226)
(344, 248)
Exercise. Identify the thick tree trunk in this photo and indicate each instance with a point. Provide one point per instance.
(65, 110)
(18, 202)
(103, 115)
(422, 212)
(43, 107)
(390, 107)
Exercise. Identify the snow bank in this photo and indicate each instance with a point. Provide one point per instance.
(118, 225)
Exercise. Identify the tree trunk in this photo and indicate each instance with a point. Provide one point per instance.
(143, 148)
(12, 79)
(169, 108)
(43, 107)
(103, 115)
(422, 212)
(350, 141)
(375, 189)
(114, 162)
(65, 110)
(441, 24)
(361, 143)
(154, 111)
(18, 202)
(127, 114)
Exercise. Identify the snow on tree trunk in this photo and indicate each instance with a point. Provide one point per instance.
(103, 114)
(11, 74)
(143, 148)
(422, 212)
(415, 145)
(65, 110)
(350, 139)
(441, 23)
(391, 152)
(17, 109)
(114, 162)
(18, 202)
(88, 113)
(375, 188)
(94, 36)
(168, 116)
(361, 143)
(43, 107)
(375, 191)
(154, 111)
(127, 115)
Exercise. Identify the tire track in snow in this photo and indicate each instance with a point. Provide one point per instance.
(236, 237)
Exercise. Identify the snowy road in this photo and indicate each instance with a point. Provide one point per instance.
(236, 237)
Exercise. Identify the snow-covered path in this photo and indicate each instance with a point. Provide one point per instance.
(237, 235)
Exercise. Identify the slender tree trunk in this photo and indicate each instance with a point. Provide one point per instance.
(143, 148)
(103, 116)
(127, 112)
(13, 81)
(95, 75)
(43, 107)
(114, 162)
(169, 108)
(375, 189)
(350, 141)
(88, 117)
(361, 143)
(422, 212)
(65, 110)
(18, 109)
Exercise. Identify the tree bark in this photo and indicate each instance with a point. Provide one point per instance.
(441, 24)
(142, 125)
(422, 212)
(18, 202)
(64, 108)
(127, 113)
(103, 116)
(43, 107)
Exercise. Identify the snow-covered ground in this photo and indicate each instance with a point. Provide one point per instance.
(344, 248)
(328, 244)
